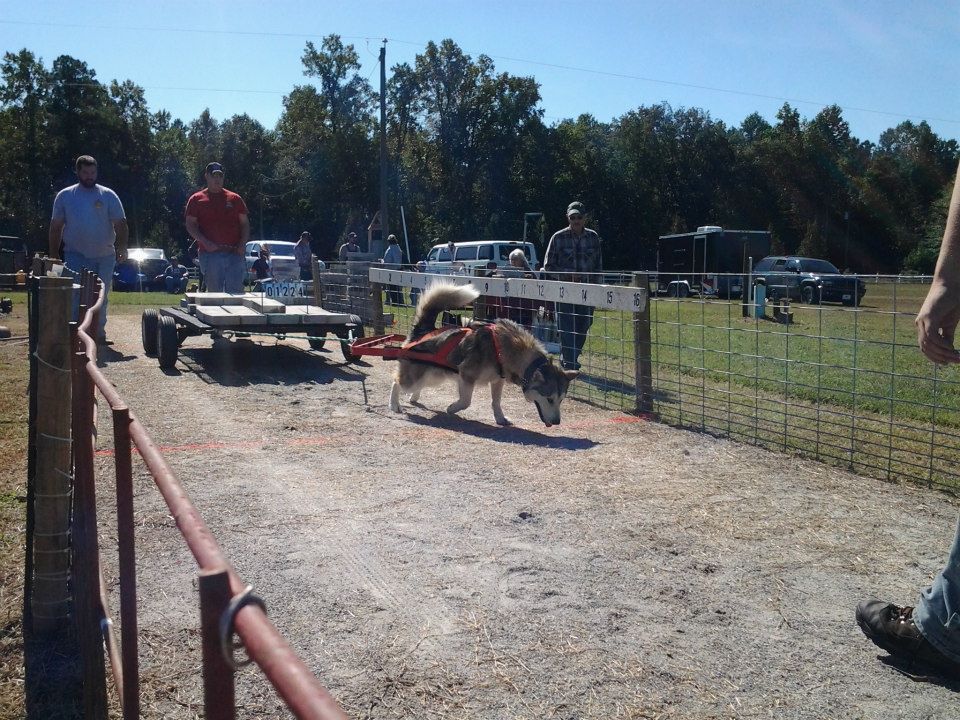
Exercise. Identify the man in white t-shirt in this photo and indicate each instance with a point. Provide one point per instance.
(89, 222)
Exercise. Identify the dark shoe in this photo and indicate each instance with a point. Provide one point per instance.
(893, 629)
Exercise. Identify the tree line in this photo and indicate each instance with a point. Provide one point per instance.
(470, 154)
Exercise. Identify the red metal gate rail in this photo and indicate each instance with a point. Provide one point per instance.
(219, 583)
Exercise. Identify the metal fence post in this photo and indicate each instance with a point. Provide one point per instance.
(643, 368)
(317, 285)
(86, 555)
(130, 691)
(376, 299)
(218, 680)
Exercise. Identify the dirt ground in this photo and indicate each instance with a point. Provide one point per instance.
(434, 566)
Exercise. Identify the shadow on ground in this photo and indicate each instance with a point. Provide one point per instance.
(512, 434)
(239, 363)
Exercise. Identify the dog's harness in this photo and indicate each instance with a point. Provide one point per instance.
(441, 356)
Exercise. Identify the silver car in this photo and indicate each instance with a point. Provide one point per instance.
(283, 264)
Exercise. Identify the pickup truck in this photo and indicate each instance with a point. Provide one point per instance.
(808, 280)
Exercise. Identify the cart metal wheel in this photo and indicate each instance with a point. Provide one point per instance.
(168, 343)
(317, 342)
(148, 331)
(344, 334)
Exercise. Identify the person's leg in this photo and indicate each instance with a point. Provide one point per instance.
(937, 614)
(211, 265)
(234, 267)
(105, 266)
(76, 261)
(566, 327)
(928, 634)
(584, 319)
(170, 284)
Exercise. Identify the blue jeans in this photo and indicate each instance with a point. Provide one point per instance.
(103, 267)
(938, 612)
(175, 285)
(223, 271)
(573, 324)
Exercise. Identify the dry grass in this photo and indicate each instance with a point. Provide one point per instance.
(14, 374)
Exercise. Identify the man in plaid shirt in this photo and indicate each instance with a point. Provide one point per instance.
(572, 253)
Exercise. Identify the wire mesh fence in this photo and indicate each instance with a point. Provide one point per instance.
(837, 378)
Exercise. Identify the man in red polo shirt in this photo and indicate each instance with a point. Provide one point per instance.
(217, 219)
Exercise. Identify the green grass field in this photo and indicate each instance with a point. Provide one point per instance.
(844, 385)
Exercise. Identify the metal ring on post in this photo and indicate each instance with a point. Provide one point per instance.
(227, 646)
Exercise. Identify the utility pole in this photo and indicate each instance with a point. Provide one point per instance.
(846, 241)
(378, 246)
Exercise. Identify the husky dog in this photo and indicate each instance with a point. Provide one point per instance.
(491, 353)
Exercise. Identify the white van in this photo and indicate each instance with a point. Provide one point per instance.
(477, 254)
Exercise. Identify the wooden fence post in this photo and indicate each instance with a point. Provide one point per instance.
(642, 348)
(52, 484)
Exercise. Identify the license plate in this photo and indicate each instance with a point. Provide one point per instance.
(282, 289)
(847, 296)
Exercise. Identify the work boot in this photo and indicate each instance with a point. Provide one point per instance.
(892, 628)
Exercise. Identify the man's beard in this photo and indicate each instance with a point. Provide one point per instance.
(88, 183)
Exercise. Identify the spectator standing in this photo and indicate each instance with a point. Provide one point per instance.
(88, 220)
(929, 634)
(217, 219)
(261, 266)
(420, 267)
(303, 253)
(350, 246)
(393, 259)
(571, 254)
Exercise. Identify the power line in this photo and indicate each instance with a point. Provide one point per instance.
(538, 63)
(198, 31)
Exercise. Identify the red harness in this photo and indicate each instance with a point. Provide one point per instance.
(440, 357)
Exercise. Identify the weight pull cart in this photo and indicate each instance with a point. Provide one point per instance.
(164, 329)
(396, 347)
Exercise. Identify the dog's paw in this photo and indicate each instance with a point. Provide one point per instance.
(504, 420)
(395, 407)
(454, 408)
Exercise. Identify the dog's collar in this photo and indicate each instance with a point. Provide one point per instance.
(532, 368)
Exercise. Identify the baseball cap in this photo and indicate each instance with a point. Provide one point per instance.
(213, 167)
(575, 207)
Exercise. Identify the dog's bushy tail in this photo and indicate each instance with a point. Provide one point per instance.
(437, 298)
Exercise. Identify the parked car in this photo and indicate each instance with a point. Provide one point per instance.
(282, 262)
(476, 254)
(140, 268)
(808, 280)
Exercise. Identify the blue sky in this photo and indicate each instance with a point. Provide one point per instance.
(882, 61)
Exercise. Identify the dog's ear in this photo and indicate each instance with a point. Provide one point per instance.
(571, 374)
